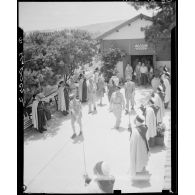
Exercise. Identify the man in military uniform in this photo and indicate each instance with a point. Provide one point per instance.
(76, 114)
(91, 94)
(129, 94)
(118, 104)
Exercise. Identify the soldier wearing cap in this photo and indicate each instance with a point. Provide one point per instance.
(118, 104)
(102, 182)
(76, 114)
(139, 149)
(129, 94)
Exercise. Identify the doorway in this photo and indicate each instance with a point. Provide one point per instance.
(146, 59)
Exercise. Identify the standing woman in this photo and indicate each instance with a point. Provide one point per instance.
(66, 96)
(61, 98)
(80, 87)
(111, 90)
(84, 90)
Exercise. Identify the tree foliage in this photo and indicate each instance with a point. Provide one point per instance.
(164, 19)
(110, 58)
(51, 56)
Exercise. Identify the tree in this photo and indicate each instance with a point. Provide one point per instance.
(110, 58)
(164, 19)
(51, 56)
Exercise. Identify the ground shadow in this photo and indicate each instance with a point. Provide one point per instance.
(121, 129)
(78, 140)
(141, 183)
(157, 149)
(53, 126)
(101, 105)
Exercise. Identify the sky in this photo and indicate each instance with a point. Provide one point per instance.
(57, 15)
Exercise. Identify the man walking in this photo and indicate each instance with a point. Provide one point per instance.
(91, 90)
(118, 104)
(129, 94)
(76, 114)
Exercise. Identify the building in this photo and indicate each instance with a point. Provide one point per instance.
(130, 38)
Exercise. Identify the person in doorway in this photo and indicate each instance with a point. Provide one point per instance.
(129, 94)
(91, 90)
(144, 72)
(128, 72)
(139, 149)
(118, 104)
(102, 181)
(61, 98)
(151, 74)
(76, 114)
(100, 88)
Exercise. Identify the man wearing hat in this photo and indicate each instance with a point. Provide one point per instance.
(102, 182)
(38, 113)
(76, 114)
(118, 104)
(139, 149)
(150, 120)
(91, 94)
(129, 94)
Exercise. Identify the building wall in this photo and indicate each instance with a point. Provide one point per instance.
(132, 31)
(162, 52)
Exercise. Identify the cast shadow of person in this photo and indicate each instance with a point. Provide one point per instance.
(53, 126)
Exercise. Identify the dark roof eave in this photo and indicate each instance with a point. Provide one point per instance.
(123, 24)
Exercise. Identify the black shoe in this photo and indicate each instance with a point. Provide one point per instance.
(126, 112)
(73, 136)
(40, 131)
(81, 133)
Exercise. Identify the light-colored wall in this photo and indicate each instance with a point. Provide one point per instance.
(130, 32)
(161, 64)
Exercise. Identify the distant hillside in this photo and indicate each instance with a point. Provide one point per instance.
(100, 28)
(95, 29)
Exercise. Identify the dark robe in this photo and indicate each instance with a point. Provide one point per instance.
(66, 96)
(41, 116)
(142, 129)
(106, 185)
(47, 111)
(84, 91)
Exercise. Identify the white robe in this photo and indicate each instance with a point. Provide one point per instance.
(151, 123)
(138, 153)
(61, 99)
(158, 102)
(155, 83)
(34, 114)
(167, 90)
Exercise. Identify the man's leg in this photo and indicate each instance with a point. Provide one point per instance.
(132, 102)
(73, 126)
(80, 126)
(89, 106)
(127, 105)
(118, 120)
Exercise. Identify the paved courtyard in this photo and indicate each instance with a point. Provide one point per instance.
(53, 163)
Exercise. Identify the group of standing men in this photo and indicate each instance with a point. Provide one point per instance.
(142, 73)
